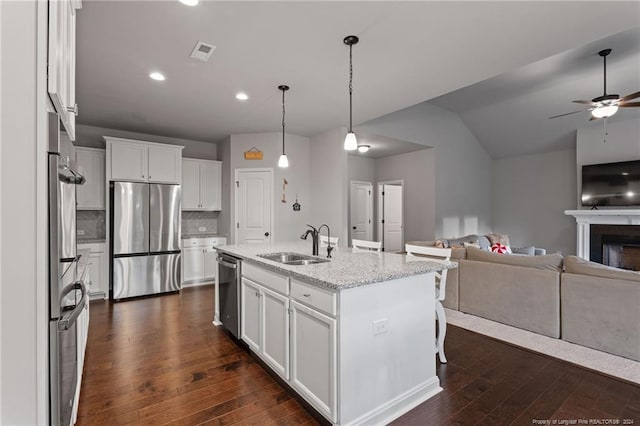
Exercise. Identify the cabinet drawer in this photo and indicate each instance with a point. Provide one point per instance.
(266, 278)
(208, 242)
(316, 297)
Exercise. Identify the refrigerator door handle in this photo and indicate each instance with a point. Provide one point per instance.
(70, 318)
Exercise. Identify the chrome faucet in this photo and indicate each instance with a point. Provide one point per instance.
(314, 237)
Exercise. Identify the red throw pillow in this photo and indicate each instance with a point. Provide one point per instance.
(499, 248)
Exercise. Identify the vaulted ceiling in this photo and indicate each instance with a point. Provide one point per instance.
(509, 113)
(409, 52)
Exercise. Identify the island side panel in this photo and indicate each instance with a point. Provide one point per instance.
(382, 376)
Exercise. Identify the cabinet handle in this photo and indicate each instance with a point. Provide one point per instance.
(306, 295)
(257, 294)
(142, 176)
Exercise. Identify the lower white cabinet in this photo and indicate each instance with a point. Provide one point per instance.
(265, 325)
(96, 278)
(199, 265)
(314, 358)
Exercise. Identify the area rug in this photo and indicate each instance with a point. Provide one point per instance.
(592, 359)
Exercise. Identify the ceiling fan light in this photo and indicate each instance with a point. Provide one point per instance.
(604, 111)
(363, 148)
(350, 142)
(283, 161)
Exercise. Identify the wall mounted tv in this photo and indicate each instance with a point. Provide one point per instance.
(611, 184)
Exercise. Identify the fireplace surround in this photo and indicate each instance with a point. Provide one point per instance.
(609, 236)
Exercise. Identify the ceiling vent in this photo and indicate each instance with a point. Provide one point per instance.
(202, 51)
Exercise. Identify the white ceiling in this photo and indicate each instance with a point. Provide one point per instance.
(509, 114)
(382, 146)
(409, 52)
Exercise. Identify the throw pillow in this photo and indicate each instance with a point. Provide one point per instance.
(500, 248)
(459, 242)
(484, 243)
(499, 238)
(529, 251)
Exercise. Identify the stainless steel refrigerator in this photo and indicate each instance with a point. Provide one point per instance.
(67, 292)
(145, 239)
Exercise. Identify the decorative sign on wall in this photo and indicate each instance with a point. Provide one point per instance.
(296, 205)
(253, 154)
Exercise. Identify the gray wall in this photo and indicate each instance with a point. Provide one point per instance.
(92, 136)
(462, 166)
(362, 169)
(530, 195)
(416, 169)
(288, 225)
(329, 183)
(623, 144)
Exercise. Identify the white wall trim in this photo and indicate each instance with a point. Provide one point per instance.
(235, 199)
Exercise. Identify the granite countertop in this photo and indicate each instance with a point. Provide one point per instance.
(202, 235)
(346, 268)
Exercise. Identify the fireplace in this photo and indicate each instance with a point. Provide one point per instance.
(615, 245)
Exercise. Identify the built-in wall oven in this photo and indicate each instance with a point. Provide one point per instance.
(229, 275)
(67, 291)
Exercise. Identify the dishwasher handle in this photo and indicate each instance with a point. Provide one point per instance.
(227, 264)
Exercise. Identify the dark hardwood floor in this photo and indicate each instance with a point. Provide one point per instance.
(160, 361)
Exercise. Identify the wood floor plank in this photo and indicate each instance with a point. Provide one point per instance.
(159, 360)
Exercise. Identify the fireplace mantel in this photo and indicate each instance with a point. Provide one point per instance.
(585, 218)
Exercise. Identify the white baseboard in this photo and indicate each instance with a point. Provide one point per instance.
(401, 404)
(196, 284)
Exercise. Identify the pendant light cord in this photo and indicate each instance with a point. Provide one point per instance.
(350, 89)
(605, 74)
(283, 122)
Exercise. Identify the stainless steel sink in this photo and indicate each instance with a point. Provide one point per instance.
(293, 258)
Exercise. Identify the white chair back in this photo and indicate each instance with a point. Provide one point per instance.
(324, 241)
(436, 254)
(364, 245)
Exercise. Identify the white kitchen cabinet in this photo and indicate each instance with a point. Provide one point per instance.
(199, 264)
(275, 331)
(90, 196)
(61, 64)
(97, 275)
(314, 358)
(201, 185)
(251, 313)
(139, 161)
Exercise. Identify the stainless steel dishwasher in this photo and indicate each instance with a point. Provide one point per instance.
(229, 273)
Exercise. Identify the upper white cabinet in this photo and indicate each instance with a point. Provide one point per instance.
(90, 196)
(201, 184)
(61, 67)
(138, 161)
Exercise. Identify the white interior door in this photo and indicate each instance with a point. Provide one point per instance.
(392, 218)
(254, 195)
(361, 211)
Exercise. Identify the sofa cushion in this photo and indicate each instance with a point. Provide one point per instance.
(577, 265)
(549, 262)
(458, 253)
(529, 251)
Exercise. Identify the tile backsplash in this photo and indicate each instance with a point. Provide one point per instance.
(193, 221)
(92, 223)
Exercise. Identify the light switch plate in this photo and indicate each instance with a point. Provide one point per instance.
(380, 326)
(202, 229)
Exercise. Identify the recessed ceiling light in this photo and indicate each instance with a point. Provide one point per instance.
(157, 76)
(241, 96)
(190, 2)
(363, 148)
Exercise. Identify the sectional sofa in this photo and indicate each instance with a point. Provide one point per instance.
(579, 301)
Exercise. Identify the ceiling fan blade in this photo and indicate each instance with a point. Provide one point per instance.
(593, 117)
(629, 97)
(583, 102)
(566, 113)
(629, 104)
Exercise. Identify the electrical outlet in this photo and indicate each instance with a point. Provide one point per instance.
(80, 232)
(202, 229)
(380, 326)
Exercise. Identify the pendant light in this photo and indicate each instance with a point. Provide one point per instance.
(283, 161)
(350, 142)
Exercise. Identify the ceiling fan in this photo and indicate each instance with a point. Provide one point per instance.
(606, 105)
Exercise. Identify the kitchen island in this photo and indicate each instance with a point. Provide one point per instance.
(354, 336)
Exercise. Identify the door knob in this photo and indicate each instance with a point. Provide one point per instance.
(354, 227)
(266, 234)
